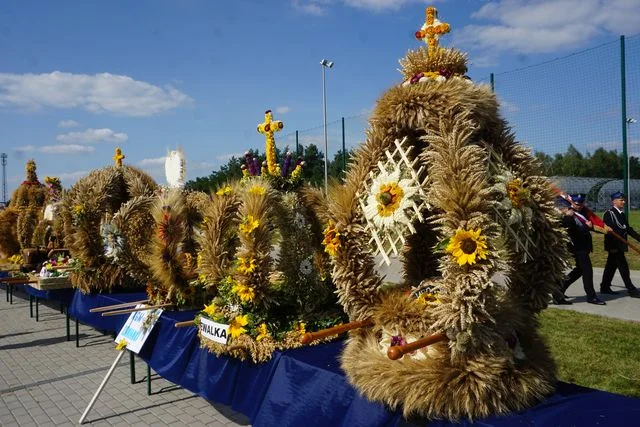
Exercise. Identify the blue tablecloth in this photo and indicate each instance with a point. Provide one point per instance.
(64, 295)
(82, 303)
(307, 387)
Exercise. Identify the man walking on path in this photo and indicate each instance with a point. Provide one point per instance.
(616, 219)
(580, 245)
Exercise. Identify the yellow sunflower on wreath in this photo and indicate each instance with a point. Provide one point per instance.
(468, 246)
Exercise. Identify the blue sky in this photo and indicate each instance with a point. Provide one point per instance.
(78, 78)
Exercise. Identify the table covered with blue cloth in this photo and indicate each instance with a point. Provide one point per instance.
(82, 303)
(307, 387)
(64, 295)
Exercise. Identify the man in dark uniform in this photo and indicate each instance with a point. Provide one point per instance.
(580, 245)
(616, 219)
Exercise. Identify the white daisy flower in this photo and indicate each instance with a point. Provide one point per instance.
(306, 267)
(389, 197)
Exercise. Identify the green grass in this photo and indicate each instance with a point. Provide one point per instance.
(599, 256)
(594, 351)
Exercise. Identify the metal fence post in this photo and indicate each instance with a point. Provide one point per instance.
(625, 153)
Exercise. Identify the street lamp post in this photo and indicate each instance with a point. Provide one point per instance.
(325, 63)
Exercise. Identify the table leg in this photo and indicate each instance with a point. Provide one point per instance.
(61, 307)
(132, 364)
(77, 335)
(37, 301)
(10, 294)
(148, 380)
(31, 306)
(68, 324)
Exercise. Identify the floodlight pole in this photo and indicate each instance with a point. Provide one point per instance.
(324, 64)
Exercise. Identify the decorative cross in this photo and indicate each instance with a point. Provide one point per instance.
(268, 128)
(432, 29)
(118, 157)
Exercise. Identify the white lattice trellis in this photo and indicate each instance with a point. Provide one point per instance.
(389, 240)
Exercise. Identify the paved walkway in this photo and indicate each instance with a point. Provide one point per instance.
(47, 381)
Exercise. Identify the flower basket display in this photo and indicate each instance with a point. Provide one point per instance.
(441, 185)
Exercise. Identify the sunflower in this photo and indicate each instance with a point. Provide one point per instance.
(263, 332)
(388, 198)
(248, 224)
(246, 265)
(224, 191)
(300, 327)
(331, 240)
(210, 309)
(467, 245)
(246, 293)
(258, 190)
(236, 328)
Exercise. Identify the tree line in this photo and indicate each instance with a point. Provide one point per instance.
(601, 164)
(313, 171)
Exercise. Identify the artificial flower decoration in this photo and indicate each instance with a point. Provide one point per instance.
(244, 292)
(246, 265)
(263, 332)
(428, 297)
(236, 328)
(331, 240)
(224, 191)
(122, 344)
(210, 309)
(467, 246)
(306, 267)
(388, 198)
(248, 224)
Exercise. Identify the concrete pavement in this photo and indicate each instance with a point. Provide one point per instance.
(47, 381)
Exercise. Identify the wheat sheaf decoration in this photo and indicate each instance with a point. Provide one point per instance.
(261, 250)
(87, 211)
(441, 186)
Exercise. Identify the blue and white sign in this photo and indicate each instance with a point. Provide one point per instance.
(138, 327)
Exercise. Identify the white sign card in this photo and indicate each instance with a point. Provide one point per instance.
(214, 331)
(138, 327)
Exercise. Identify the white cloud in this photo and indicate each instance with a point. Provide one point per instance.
(545, 26)
(68, 178)
(200, 166)
(93, 136)
(156, 161)
(508, 106)
(68, 124)
(283, 109)
(98, 93)
(25, 149)
(55, 149)
(319, 7)
(66, 149)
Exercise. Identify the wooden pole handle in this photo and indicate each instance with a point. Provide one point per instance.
(309, 337)
(132, 310)
(397, 351)
(185, 323)
(111, 307)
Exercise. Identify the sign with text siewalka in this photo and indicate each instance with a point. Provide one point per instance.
(138, 327)
(214, 331)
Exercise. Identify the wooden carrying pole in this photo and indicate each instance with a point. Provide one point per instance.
(131, 310)
(397, 351)
(185, 323)
(309, 337)
(112, 307)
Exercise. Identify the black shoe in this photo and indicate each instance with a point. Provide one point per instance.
(634, 293)
(562, 301)
(608, 291)
(596, 301)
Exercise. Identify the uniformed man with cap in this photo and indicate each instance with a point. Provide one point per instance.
(616, 260)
